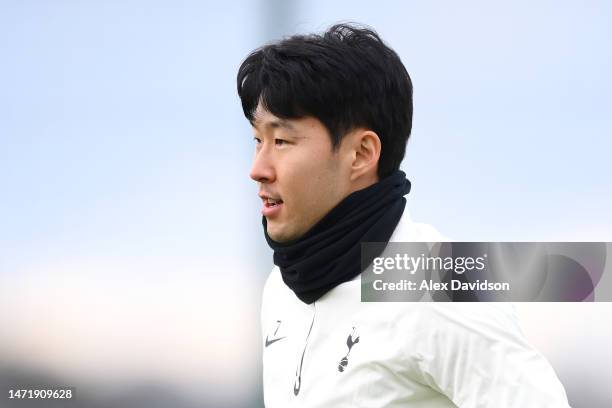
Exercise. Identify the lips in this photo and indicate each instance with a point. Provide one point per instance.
(270, 198)
(271, 205)
(271, 202)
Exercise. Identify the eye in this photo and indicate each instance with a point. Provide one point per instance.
(280, 142)
(257, 140)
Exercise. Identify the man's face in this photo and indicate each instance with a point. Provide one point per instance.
(300, 178)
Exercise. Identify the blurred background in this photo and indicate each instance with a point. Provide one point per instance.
(131, 251)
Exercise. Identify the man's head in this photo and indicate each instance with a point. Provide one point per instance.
(331, 115)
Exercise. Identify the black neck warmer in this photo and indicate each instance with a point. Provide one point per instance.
(330, 252)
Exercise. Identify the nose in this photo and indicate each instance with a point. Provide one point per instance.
(262, 169)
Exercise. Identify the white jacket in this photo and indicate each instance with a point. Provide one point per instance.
(340, 352)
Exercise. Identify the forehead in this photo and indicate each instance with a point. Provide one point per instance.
(306, 127)
(264, 120)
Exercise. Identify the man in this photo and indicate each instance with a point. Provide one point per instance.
(331, 115)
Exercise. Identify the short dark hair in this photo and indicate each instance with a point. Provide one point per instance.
(346, 77)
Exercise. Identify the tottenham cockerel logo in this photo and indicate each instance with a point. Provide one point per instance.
(350, 342)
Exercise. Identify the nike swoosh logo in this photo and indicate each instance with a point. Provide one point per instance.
(268, 342)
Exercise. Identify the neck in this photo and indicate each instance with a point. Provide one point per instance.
(364, 182)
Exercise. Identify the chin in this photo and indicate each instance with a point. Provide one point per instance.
(275, 233)
(279, 234)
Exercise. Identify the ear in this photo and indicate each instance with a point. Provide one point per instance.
(366, 153)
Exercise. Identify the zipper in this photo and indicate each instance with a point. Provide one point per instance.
(298, 371)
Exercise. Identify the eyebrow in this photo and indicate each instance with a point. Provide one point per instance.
(275, 124)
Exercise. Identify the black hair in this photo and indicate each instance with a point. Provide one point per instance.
(346, 77)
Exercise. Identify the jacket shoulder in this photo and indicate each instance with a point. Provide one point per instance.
(408, 230)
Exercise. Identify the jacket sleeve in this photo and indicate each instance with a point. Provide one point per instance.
(476, 355)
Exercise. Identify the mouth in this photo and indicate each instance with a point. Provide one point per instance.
(271, 206)
(270, 202)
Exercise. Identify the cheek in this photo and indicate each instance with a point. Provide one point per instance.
(305, 169)
(311, 179)
(314, 189)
